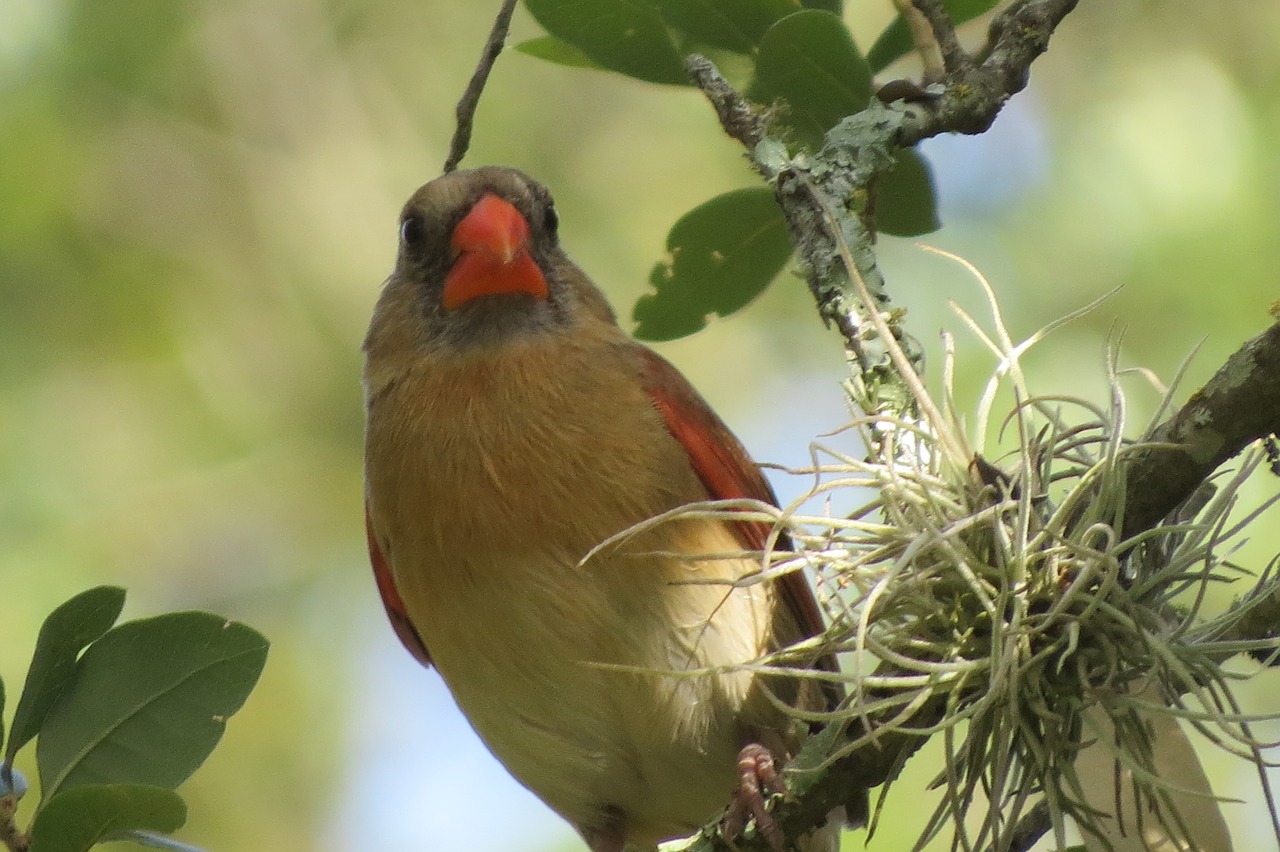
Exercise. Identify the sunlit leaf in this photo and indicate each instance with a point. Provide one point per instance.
(64, 634)
(150, 701)
(736, 25)
(809, 61)
(722, 254)
(896, 39)
(622, 35)
(906, 204)
(560, 52)
(75, 820)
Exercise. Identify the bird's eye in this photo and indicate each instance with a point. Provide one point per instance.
(551, 219)
(411, 229)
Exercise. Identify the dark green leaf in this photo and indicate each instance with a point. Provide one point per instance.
(1, 711)
(75, 820)
(807, 767)
(896, 40)
(809, 61)
(560, 52)
(836, 6)
(906, 205)
(736, 25)
(622, 35)
(66, 631)
(722, 254)
(150, 701)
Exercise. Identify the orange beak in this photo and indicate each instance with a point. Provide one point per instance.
(491, 255)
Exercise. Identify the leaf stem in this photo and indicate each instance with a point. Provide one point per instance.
(466, 110)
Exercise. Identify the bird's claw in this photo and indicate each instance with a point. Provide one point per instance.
(758, 776)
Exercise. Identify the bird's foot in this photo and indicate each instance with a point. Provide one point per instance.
(757, 777)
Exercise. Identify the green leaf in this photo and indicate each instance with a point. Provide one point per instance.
(627, 36)
(150, 701)
(560, 52)
(66, 631)
(809, 61)
(736, 25)
(722, 254)
(75, 820)
(836, 6)
(896, 40)
(807, 767)
(906, 204)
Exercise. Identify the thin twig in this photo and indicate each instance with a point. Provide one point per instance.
(466, 110)
(925, 41)
(975, 93)
(740, 118)
(10, 835)
(942, 32)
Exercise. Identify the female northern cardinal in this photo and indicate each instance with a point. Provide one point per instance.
(512, 428)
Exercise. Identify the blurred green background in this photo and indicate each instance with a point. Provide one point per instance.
(198, 202)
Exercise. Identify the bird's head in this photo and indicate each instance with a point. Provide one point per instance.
(480, 262)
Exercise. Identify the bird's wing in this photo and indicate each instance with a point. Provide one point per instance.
(727, 472)
(391, 600)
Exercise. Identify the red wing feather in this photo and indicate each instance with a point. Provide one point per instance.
(727, 471)
(391, 600)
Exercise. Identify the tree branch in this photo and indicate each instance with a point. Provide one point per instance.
(954, 58)
(974, 93)
(857, 151)
(1034, 824)
(1239, 405)
(11, 836)
(739, 118)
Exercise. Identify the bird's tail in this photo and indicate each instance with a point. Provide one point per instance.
(1109, 788)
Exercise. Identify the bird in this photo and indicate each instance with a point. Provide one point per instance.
(515, 438)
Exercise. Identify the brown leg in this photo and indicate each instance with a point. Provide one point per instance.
(757, 775)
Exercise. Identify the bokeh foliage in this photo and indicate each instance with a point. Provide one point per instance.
(198, 201)
(123, 715)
